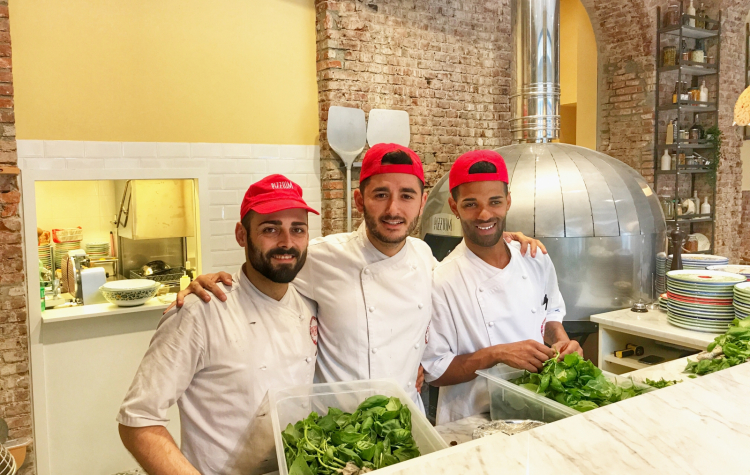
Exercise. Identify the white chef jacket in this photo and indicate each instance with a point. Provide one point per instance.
(373, 310)
(476, 305)
(217, 360)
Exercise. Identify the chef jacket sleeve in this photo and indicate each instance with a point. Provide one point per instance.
(555, 303)
(441, 337)
(175, 355)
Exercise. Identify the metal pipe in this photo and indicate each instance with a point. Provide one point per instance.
(535, 109)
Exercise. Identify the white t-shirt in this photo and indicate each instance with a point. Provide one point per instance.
(476, 305)
(217, 360)
(373, 310)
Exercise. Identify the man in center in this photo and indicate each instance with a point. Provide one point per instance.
(490, 303)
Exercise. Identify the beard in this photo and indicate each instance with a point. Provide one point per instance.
(371, 222)
(470, 232)
(281, 273)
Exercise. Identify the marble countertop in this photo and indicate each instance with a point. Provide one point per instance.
(653, 324)
(461, 431)
(699, 426)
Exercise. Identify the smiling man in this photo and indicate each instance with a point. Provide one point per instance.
(491, 304)
(217, 360)
(372, 286)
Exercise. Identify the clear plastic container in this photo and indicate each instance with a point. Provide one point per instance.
(510, 401)
(293, 404)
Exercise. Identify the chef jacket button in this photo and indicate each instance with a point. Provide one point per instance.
(491, 324)
(374, 350)
(533, 310)
(416, 347)
(421, 305)
(371, 309)
(308, 359)
(367, 271)
(525, 276)
(410, 384)
(481, 289)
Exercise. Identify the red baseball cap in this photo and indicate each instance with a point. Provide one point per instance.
(371, 164)
(459, 173)
(271, 194)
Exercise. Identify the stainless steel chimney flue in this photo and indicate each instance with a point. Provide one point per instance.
(535, 109)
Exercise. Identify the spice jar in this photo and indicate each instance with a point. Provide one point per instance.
(686, 55)
(672, 15)
(692, 244)
(669, 56)
(697, 56)
(695, 93)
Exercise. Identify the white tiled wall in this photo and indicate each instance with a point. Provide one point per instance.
(231, 167)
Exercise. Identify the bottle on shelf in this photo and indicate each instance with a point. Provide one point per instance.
(704, 93)
(675, 131)
(666, 161)
(669, 138)
(696, 201)
(706, 206)
(691, 11)
(676, 93)
(700, 20)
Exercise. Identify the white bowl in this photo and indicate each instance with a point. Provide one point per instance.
(130, 292)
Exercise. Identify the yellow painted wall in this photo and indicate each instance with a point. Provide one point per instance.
(578, 69)
(165, 70)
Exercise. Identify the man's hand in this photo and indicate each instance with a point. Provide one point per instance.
(528, 354)
(527, 243)
(567, 347)
(420, 379)
(201, 286)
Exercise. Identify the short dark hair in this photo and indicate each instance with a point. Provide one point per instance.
(397, 157)
(479, 167)
(246, 221)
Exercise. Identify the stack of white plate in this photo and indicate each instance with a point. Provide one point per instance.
(97, 250)
(742, 270)
(742, 300)
(62, 248)
(45, 255)
(661, 273)
(701, 300)
(699, 261)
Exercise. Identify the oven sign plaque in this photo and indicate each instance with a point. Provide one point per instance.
(445, 224)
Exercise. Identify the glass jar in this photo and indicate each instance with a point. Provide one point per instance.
(695, 94)
(691, 245)
(686, 55)
(669, 56)
(697, 56)
(668, 207)
(672, 15)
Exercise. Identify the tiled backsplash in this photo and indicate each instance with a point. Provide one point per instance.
(231, 168)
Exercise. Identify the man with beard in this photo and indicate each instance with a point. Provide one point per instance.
(217, 360)
(372, 286)
(490, 304)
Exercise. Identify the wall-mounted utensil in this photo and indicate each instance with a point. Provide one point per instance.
(347, 135)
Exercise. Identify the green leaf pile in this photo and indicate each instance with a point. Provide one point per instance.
(376, 435)
(662, 383)
(729, 349)
(576, 383)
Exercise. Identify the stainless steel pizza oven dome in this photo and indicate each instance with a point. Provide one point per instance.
(598, 218)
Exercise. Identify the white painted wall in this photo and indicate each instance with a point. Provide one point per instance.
(81, 369)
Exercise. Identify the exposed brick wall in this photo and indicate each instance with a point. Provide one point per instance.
(447, 63)
(15, 394)
(745, 230)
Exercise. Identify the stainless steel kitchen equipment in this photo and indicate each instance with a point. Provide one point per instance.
(600, 221)
(81, 281)
(347, 136)
(136, 254)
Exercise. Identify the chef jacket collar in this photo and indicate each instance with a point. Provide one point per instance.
(248, 287)
(479, 262)
(375, 253)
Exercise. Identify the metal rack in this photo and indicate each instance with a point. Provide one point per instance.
(686, 112)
